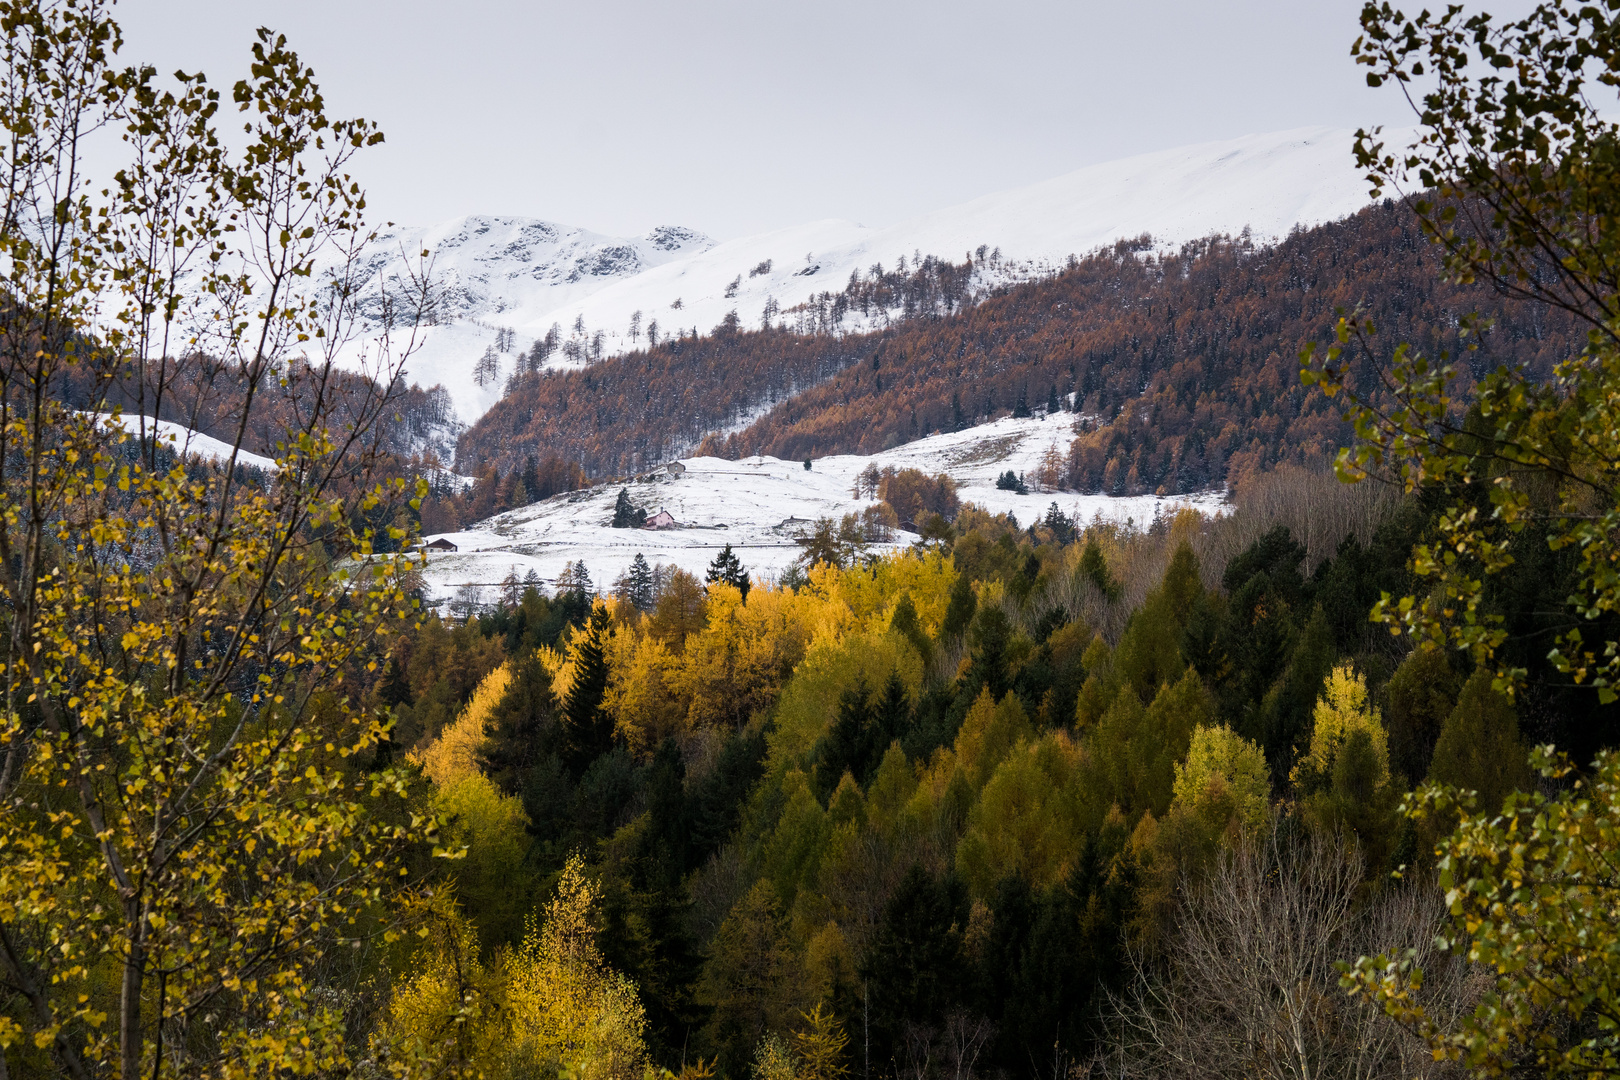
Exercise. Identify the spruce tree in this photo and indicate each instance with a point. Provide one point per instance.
(914, 963)
(1094, 568)
(642, 592)
(1479, 748)
(847, 745)
(727, 568)
(589, 727)
(395, 688)
(1021, 406)
(907, 625)
(522, 728)
(959, 612)
(1062, 528)
(1053, 407)
(624, 512)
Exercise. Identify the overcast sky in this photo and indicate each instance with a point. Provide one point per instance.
(736, 117)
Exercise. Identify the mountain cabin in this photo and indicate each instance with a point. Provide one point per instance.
(441, 544)
(661, 520)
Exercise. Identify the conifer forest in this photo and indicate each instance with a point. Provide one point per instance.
(1318, 782)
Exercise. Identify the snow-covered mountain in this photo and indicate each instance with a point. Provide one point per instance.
(493, 274)
(504, 282)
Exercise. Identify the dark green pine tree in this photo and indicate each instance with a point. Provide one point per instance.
(845, 747)
(1094, 568)
(959, 612)
(1062, 528)
(395, 688)
(624, 512)
(907, 625)
(531, 478)
(914, 964)
(589, 728)
(1053, 407)
(642, 587)
(892, 714)
(958, 419)
(1021, 406)
(522, 728)
(729, 569)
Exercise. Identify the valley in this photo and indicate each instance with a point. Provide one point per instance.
(1157, 623)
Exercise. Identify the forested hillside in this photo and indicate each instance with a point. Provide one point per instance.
(1188, 364)
(940, 806)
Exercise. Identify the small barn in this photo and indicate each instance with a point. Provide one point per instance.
(661, 520)
(675, 469)
(441, 544)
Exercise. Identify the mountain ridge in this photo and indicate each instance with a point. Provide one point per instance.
(506, 282)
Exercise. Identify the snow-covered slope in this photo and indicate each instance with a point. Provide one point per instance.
(495, 273)
(183, 440)
(749, 503)
(505, 281)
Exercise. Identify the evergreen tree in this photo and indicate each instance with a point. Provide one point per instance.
(1285, 711)
(395, 688)
(1057, 521)
(1011, 481)
(522, 728)
(645, 910)
(589, 727)
(1094, 568)
(958, 418)
(748, 982)
(1052, 405)
(1359, 799)
(959, 612)
(1418, 699)
(1479, 748)
(727, 568)
(849, 744)
(642, 590)
(575, 581)
(905, 623)
(913, 966)
(1021, 406)
(823, 545)
(891, 714)
(1050, 957)
(990, 637)
(626, 515)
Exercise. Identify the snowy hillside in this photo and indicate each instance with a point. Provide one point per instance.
(493, 273)
(506, 281)
(182, 440)
(749, 503)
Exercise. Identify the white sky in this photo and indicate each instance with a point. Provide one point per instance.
(734, 117)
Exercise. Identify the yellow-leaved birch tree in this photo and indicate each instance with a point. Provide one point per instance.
(194, 820)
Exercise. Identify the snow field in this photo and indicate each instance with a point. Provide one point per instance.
(749, 504)
(184, 441)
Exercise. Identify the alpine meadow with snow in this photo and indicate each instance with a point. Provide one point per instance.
(762, 508)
